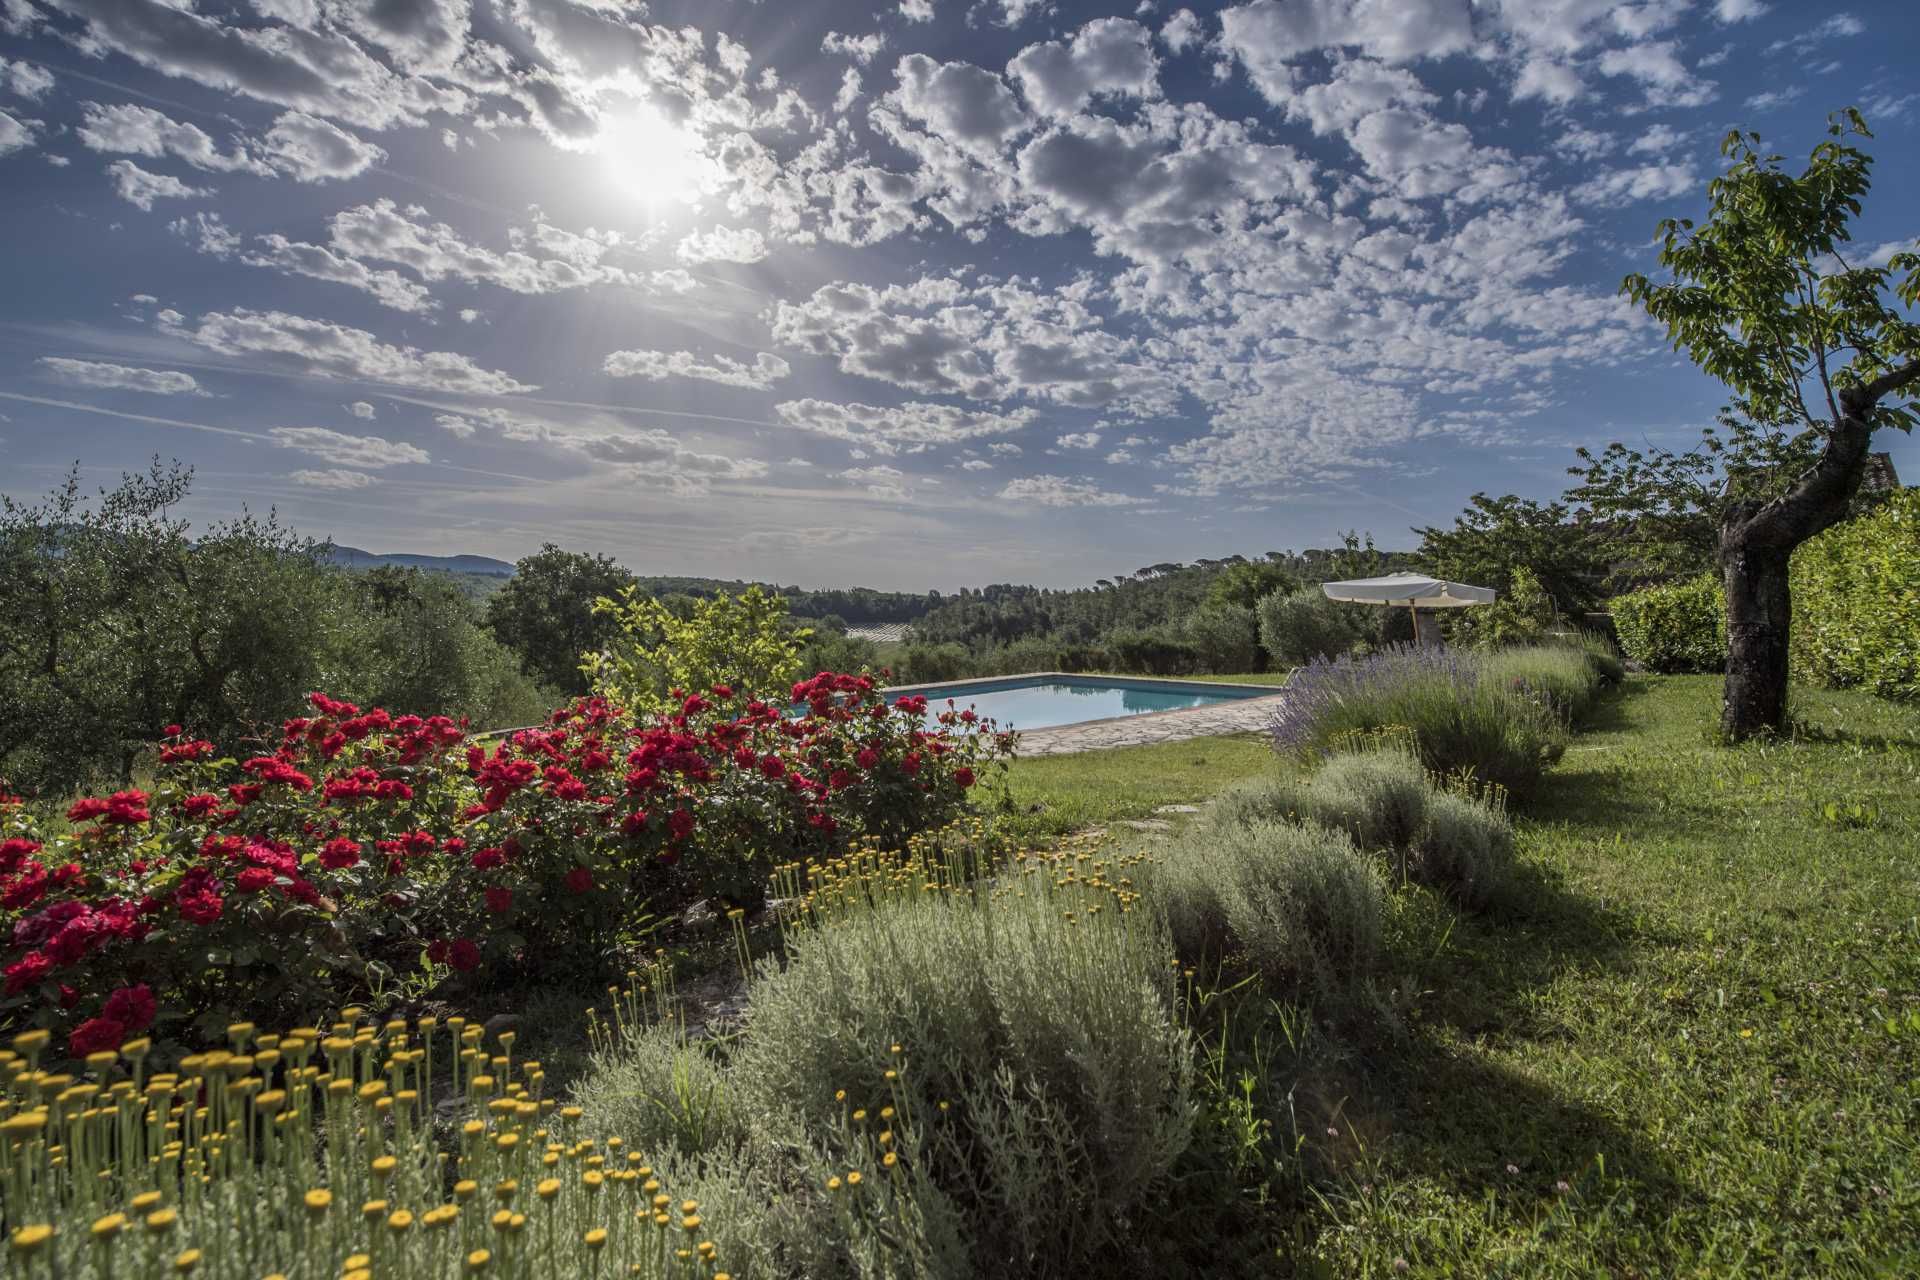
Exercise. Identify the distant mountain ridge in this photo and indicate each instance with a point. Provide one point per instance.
(355, 558)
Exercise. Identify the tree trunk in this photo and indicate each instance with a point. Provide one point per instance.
(1759, 618)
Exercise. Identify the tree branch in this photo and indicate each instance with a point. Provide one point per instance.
(1860, 399)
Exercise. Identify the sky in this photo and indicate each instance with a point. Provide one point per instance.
(906, 293)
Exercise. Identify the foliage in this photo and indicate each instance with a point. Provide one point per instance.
(1225, 637)
(1298, 904)
(310, 1156)
(1303, 625)
(1249, 582)
(1567, 677)
(1464, 721)
(1754, 298)
(370, 850)
(1523, 614)
(1857, 602)
(1161, 651)
(545, 613)
(1677, 628)
(117, 620)
(1657, 512)
(1495, 537)
(739, 641)
(932, 663)
(1039, 1008)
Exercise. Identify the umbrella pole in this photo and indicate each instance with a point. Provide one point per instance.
(1414, 609)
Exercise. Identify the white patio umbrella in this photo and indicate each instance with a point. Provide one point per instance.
(1415, 590)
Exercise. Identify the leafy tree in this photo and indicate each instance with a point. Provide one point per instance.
(1656, 513)
(741, 641)
(115, 623)
(1246, 583)
(545, 613)
(1762, 297)
(1303, 625)
(420, 646)
(1495, 537)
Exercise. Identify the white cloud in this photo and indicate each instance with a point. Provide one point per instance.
(1267, 37)
(1839, 26)
(328, 350)
(916, 10)
(16, 134)
(1738, 10)
(361, 409)
(210, 234)
(1079, 440)
(651, 457)
(976, 464)
(309, 149)
(1657, 66)
(120, 377)
(722, 244)
(1646, 182)
(132, 130)
(1774, 98)
(24, 79)
(862, 49)
(1059, 491)
(348, 451)
(883, 482)
(338, 478)
(139, 188)
(964, 104)
(543, 259)
(905, 427)
(765, 370)
(1108, 56)
(1181, 32)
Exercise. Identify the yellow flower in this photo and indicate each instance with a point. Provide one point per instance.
(161, 1220)
(318, 1200)
(464, 1189)
(145, 1201)
(29, 1238)
(548, 1188)
(374, 1209)
(478, 1260)
(853, 1178)
(400, 1220)
(187, 1261)
(596, 1238)
(109, 1226)
(383, 1167)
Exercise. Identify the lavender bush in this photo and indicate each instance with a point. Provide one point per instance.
(1463, 716)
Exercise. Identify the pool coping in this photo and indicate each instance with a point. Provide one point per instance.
(1028, 678)
(1142, 728)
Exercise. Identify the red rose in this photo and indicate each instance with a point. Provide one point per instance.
(27, 971)
(339, 853)
(579, 880)
(132, 1007)
(680, 824)
(910, 763)
(253, 880)
(867, 758)
(172, 731)
(437, 951)
(488, 858)
(464, 955)
(201, 908)
(96, 1036)
(82, 810)
(963, 776)
(199, 806)
(772, 766)
(499, 900)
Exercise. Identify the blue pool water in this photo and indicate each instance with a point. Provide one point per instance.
(1058, 700)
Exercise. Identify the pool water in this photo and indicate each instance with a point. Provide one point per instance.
(1056, 700)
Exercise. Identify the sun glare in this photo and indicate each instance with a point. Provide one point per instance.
(650, 158)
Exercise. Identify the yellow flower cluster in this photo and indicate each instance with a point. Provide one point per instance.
(326, 1155)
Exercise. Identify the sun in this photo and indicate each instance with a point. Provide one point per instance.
(649, 158)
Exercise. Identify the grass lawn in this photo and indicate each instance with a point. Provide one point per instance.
(1693, 1051)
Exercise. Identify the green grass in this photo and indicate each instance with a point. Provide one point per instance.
(1694, 1050)
(1706, 1027)
(1051, 795)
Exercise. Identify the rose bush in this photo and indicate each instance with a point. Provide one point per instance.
(365, 846)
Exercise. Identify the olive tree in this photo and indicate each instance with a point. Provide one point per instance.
(1761, 295)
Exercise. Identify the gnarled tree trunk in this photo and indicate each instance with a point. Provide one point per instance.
(1756, 546)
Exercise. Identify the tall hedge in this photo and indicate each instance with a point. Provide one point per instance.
(1674, 629)
(1856, 602)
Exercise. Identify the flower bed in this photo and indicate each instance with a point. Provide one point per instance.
(367, 848)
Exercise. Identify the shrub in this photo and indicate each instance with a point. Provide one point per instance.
(1300, 626)
(1461, 722)
(1566, 678)
(741, 641)
(1297, 901)
(933, 663)
(1038, 1009)
(368, 847)
(1856, 602)
(1385, 801)
(1225, 638)
(1158, 652)
(330, 1165)
(1523, 615)
(1674, 629)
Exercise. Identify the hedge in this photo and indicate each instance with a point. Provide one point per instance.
(1674, 629)
(1856, 602)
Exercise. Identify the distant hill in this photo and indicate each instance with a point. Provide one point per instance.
(486, 566)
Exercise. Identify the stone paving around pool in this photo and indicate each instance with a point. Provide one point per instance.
(1245, 715)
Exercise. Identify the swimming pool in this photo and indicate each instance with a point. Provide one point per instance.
(1045, 701)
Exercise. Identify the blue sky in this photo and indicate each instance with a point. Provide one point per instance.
(910, 293)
